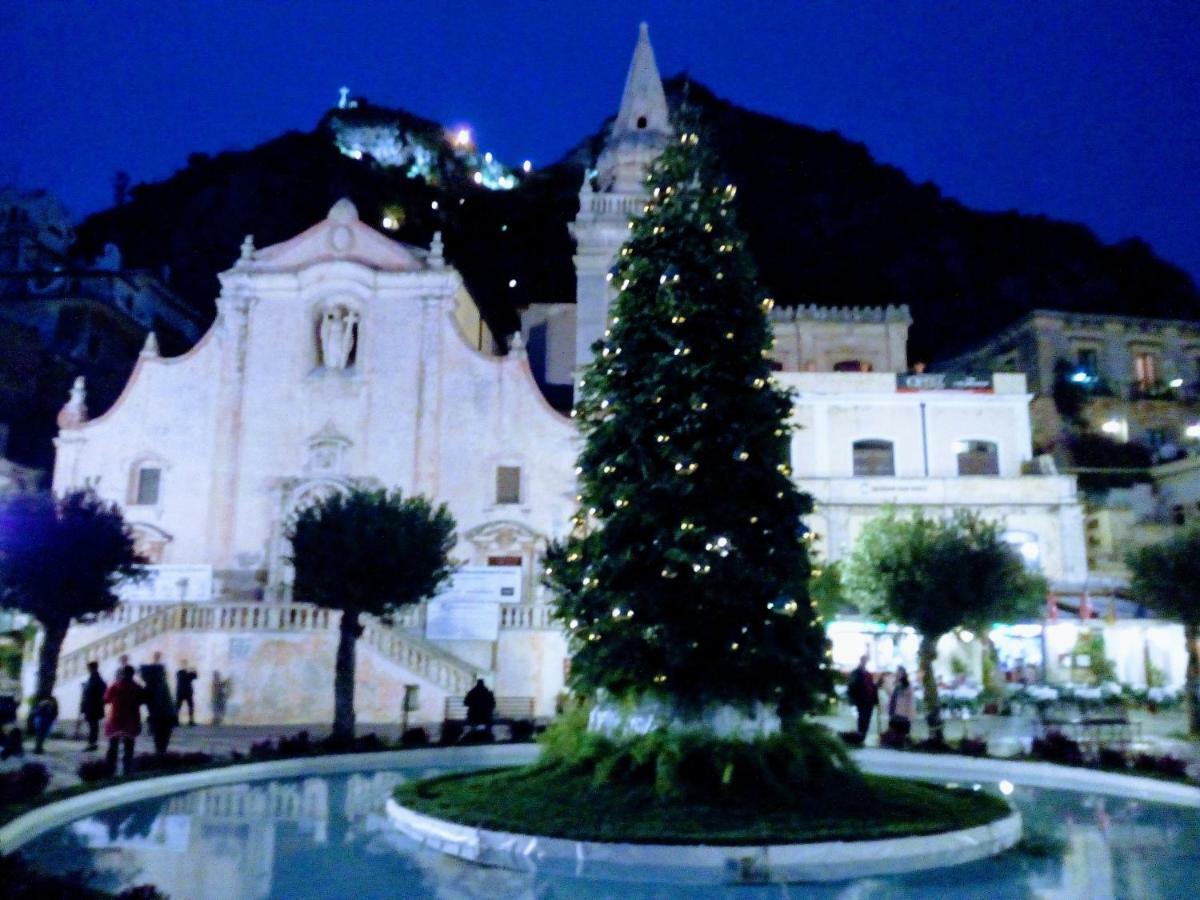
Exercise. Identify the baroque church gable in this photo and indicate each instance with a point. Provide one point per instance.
(340, 236)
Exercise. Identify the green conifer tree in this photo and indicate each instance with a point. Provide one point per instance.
(686, 575)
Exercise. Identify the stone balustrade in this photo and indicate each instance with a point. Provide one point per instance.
(615, 204)
(145, 621)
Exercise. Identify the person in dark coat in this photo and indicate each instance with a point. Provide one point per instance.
(124, 723)
(481, 704)
(861, 689)
(160, 707)
(45, 714)
(185, 678)
(91, 704)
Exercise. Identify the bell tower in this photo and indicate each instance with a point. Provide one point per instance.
(618, 190)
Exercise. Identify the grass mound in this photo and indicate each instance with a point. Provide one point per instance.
(799, 786)
(552, 800)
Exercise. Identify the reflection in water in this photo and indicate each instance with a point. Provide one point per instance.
(329, 836)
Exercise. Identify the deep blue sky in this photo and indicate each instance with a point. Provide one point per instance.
(1081, 110)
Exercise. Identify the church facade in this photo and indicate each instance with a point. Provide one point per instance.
(342, 358)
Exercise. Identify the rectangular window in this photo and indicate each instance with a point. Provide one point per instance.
(1088, 360)
(1145, 369)
(874, 458)
(147, 486)
(508, 484)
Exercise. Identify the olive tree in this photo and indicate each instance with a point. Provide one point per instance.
(1166, 577)
(61, 561)
(938, 574)
(367, 552)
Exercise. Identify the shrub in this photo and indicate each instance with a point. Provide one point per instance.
(96, 770)
(804, 760)
(1056, 747)
(521, 731)
(1112, 758)
(976, 746)
(1168, 765)
(851, 738)
(24, 784)
(414, 737)
(934, 744)
(451, 732)
(477, 736)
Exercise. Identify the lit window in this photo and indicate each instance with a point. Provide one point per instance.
(508, 484)
(1145, 369)
(146, 490)
(874, 458)
(977, 458)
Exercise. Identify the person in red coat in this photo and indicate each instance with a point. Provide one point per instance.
(124, 698)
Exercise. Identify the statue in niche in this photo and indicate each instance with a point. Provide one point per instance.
(338, 332)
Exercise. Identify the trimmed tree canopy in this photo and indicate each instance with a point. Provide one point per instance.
(686, 577)
(370, 551)
(938, 574)
(61, 561)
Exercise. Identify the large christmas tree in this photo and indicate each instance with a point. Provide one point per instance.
(686, 576)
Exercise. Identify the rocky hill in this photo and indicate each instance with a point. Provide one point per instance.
(826, 223)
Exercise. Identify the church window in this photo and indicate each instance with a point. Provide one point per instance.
(146, 486)
(508, 484)
(977, 458)
(642, 122)
(874, 458)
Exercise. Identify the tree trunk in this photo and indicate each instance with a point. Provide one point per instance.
(343, 678)
(52, 640)
(925, 657)
(1191, 634)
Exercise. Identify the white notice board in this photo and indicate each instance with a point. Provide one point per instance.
(500, 584)
(450, 618)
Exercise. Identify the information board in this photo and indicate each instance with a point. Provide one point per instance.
(450, 618)
(500, 584)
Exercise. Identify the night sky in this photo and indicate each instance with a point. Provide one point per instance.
(1080, 110)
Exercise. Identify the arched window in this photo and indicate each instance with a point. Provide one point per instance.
(145, 482)
(977, 457)
(874, 458)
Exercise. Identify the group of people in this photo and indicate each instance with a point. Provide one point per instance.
(863, 691)
(125, 697)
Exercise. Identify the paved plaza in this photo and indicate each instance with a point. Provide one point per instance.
(1006, 735)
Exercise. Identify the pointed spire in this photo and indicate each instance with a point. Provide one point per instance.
(643, 104)
(74, 413)
(642, 127)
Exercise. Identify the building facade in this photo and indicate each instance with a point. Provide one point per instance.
(1140, 377)
(338, 359)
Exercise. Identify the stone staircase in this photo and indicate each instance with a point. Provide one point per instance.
(406, 649)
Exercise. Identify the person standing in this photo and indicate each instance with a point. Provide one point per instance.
(902, 706)
(91, 706)
(160, 708)
(861, 689)
(124, 723)
(185, 692)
